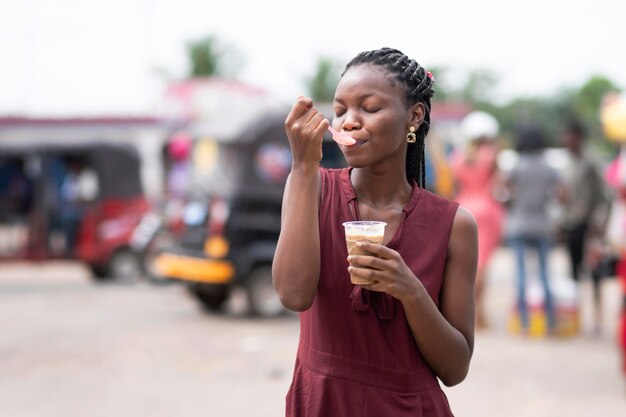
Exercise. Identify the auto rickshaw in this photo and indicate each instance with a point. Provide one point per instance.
(44, 216)
(233, 222)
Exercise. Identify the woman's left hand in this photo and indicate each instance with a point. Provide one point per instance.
(386, 268)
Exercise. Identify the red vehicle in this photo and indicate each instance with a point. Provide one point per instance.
(77, 201)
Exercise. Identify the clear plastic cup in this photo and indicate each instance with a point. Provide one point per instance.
(363, 231)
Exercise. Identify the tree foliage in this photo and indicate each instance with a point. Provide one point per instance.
(208, 57)
(549, 112)
(587, 99)
(321, 85)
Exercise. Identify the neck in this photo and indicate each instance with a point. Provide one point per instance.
(381, 189)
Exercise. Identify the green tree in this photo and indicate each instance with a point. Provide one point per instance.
(543, 112)
(584, 104)
(209, 57)
(322, 84)
(588, 99)
(479, 87)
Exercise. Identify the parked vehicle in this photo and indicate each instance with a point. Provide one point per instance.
(232, 224)
(158, 230)
(78, 200)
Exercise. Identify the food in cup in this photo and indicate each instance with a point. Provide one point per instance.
(363, 231)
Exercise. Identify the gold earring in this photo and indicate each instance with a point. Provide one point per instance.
(410, 137)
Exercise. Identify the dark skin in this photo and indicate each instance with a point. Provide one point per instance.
(372, 109)
(572, 142)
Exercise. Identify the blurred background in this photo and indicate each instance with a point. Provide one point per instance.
(143, 158)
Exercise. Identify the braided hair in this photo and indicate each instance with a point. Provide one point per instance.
(418, 85)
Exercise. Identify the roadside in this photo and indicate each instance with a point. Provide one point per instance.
(73, 348)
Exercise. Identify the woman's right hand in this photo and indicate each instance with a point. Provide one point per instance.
(305, 128)
(296, 265)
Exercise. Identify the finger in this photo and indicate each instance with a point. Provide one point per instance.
(365, 273)
(300, 107)
(312, 117)
(379, 250)
(317, 126)
(371, 262)
(322, 126)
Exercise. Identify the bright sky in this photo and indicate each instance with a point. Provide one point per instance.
(90, 57)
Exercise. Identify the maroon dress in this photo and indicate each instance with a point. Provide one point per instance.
(357, 356)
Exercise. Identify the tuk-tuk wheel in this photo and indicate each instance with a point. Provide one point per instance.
(212, 297)
(125, 266)
(263, 299)
(100, 272)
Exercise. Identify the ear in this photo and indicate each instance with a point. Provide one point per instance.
(417, 112)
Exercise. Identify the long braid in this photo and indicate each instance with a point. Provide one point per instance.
(418, 84)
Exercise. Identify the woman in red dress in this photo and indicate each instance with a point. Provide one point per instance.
(377, 349)
(476, 175)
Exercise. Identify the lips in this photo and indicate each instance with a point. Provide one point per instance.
(358, 139)
(358, 144)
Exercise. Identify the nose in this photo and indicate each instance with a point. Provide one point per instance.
(350, 121)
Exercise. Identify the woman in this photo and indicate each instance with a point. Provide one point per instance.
(376, 349)
(533, 183)
(477, 181)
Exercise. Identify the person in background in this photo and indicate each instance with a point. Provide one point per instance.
(532, 184)
(79, 187)
(179, 174)
(376, 349)
(613, 117)
(477, 178)
(16, 189)
(16, 204)
(179, 171)
(585, 202)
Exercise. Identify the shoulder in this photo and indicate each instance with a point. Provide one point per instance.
(464, 221)
(436, 211)
(464, 234)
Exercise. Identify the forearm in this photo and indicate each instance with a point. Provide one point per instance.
(443, 347)
(296, 264)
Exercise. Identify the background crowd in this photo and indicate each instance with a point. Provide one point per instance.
(537, 205)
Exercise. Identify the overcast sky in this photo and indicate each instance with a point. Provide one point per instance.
(93, 57)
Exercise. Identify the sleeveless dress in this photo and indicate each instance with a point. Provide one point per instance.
(356, 355)
(475, 181)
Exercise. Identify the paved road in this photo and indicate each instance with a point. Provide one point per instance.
(72, 348)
